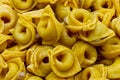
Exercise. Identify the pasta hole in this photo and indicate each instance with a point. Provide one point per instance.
(91, 8)
(100, 19)
(87, 56)
(60, 57)
(80, 19)
(24, 0)
(105, 5)
(23, 30)
(5, 19)
(46, 60)
(88, 75)
(69, 33)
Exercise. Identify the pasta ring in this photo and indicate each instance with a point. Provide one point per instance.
(8, 18)
(24, 33)
(63, 62)
(23, 6)
(80, 20)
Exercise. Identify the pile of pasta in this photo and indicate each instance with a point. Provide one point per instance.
(59, 40)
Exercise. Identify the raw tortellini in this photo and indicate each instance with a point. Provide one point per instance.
(59, 40)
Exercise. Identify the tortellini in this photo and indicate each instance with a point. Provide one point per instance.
(80, 20)
(23, 5)
(24, 33)
(47, 25)
(63, 62)
(59, 40)
(39, 60)
(8, 18)
(98, 36)
(111, 48)
(86, 53)
(13, 70)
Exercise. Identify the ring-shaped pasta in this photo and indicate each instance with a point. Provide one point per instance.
(80, 19)
(49, 28)
(15, 68)
(105, 15)
(88, 73)
(86, 53)
(23, 5)
(113, 70)
(8, 18)
(39, 61)
(98, 36)
(24, 33)
(111, 48)
(103, 4)
(63, 62)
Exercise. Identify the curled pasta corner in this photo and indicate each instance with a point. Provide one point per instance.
(8, 18)
(115, 25)
(111, 48)
(68, 39)
(98, 36)
(105, 15)
(33, 16)
(62, 11)
(29, 76)
(86, 53)
(9, 54)
(113, 70)
(49, 28)
(48, 1)
(23, 6)
(103, 4)
(86, 3)
(80, 20)
(72, 3)
(95, 72)
(88, 73)
(3, 64)
(5, 41)
(24, 33)
(39, 61)
(116, 4)
(15, 67)
(63, 62)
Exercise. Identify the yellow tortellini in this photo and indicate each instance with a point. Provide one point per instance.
(8, 18)
(63, 62)
(49, 28)
(15, 67)
(111, 48)
(39, 60)
(24, 33)
(59, 40)
(86, 53)
(98, 36)
(80, 20)
(23, 5)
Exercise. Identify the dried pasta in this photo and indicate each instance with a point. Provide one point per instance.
(59, 40)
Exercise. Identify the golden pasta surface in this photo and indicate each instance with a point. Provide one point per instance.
(59, 39)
